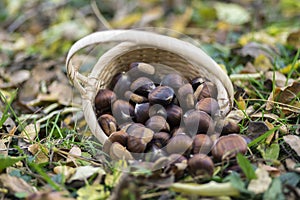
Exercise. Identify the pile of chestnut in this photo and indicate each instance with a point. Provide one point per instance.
(165, 120)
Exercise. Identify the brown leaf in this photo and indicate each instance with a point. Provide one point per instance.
(294, 39)
(256, 129)
(50, 195)
(40, 152)
(15, 184)
(278, 77)
(294, 142)
(65, 170)
(16, 78)
(255, 49)
(287, 97)
(30, 132)
(74, 151)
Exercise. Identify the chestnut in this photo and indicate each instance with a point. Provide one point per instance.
(142, 86)
(141, 112)
(104, 100)
(123, 83)
(140, 69)
(174, 115)
(108, 124)
(197, 121)
(173, 80)
(195, 82)
(208, 105)
(123, 111)
(157, 109)
(202, 143)
(162, 95)
(119, 152)
(134, 98)
(176, 165)
(180, 144)
(118, 136)
(186, 97)
(138, 138)
(157, 123)
(178, 130)
(205, 90)
(228, 146)
(160, 139)
(201, 166)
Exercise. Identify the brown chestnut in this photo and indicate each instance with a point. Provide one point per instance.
(173, 80)
(157, 109)
(138, 138)
(141, 112)
(201, 144)
(122, 84)
(123, 111)
(201, 166)
(142, 86)
(162, 95)
(140, 69)
(178, 130)
(186, 97)
(174, 115)
(108, 124)
(118, 136)
(205, 90)
(134, 98)
(160, 139)
(196, 82)
(180, 144)
(208, 105)
(104, 100)
(157, 123)
(197, 121)
(176, 165)
(228, 146)
(119, 152)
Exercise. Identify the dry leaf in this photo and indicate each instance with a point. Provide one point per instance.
(262, 63)
(15, 184)
(74, 151)
(50, 195)
(293, 66)
(232, 13)
(84, 172)
(292, 165)
(294, 39)
(40, 152)
(65, 170)
(262, 183)
(30, 132)
(256, 129)
(273, 171)
(270, 137)
(255, 49)
(3, 148)
(288, 96)
(180, 23)
(294, 142)
(278, 77)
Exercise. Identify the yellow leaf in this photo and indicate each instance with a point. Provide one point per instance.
(262, 63)
(290, 67)
(127, 21)
(181, 21)
(241, 103)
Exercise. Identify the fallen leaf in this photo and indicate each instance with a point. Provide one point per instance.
(30, 132)
(294, 39)
(67, 171)
(74, 151)
(84, 172)
(3, 148)
(270, 137)
(50, 195)
(292, 165)
(15, 79)
(232, 13)
(15, 184)
(256, 129)
(92, 192)
(278, 78)
(273, 171)
(40, 152)
(180, 23)
(262, 63)
(292, 66)
(294, 142)
(255, 49)
(288, 96)
(262, 183)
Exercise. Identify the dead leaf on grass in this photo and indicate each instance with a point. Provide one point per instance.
(292, 165)
(84, 172)
(294, 142)
(3, 148)
(15, 184)
(262, 63)
(74, 151)
(256, 129)
(262, 183)
(294, 39)
(50, 195)
(15, 78)
(30, 132)
(255, 49)
(278, 78)
(288, 95)
(40, 152)
(67, 171)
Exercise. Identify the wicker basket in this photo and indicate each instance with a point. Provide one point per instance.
(142, 46)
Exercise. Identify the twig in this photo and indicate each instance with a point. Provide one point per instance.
(99, 15)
